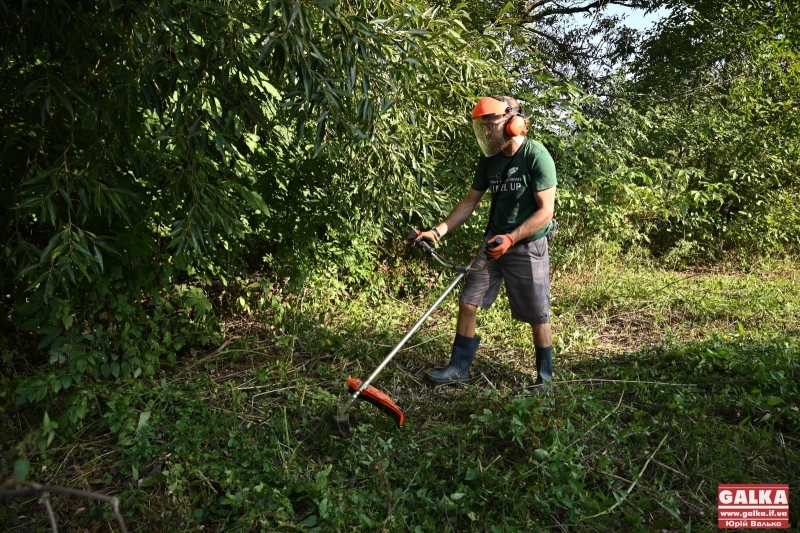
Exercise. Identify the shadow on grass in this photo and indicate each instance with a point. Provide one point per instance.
(632, 441)
(638, 438)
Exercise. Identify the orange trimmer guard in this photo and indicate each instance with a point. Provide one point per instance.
(379, 399)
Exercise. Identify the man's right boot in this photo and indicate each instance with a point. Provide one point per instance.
(464, 349)
(544, 370)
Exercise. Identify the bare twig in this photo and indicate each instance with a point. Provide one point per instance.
(598, 380)
(50, 515)
(402, 496)
(630, 489)
(662, 465)
(425, 342)
(35, 488)
(256, 387)
(598, 422)
(610, 474)
(214, 353)
(487, 381)
(275, 390)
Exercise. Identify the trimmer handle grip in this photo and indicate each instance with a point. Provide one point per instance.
(424, 243)
(494, 242)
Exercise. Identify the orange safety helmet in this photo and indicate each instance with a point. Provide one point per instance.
(493, 125)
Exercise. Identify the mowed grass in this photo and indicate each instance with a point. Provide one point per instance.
(669, 383)
(618, 307)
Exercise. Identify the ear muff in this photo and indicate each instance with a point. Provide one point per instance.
(515, 126)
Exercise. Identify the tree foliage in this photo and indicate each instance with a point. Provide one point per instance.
(150, 148)
(575, 41)
(165, 162)
(721, 90)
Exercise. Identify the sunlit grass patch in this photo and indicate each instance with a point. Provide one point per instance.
(621, 307)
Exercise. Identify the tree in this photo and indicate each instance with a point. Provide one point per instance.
(698, 148)
(574, 41)
(729, 76)
(149, 146)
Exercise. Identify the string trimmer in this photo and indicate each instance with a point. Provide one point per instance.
(362, 389)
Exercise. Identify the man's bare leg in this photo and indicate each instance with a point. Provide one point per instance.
(467, 313)
(542, 335)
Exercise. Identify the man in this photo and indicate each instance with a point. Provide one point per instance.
(522, 177)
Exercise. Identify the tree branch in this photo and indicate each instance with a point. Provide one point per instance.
(36, 488)
(570, 10)
(635, 481)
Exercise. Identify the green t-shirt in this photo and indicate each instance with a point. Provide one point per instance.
(531, 171)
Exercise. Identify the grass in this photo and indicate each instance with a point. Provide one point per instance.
(669, 383)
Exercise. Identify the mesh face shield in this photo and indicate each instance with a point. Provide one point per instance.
(490, 133)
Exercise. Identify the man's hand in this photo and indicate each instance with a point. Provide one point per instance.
(495, 249)
(431, 235)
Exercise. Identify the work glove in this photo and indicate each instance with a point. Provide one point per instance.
(432, 236)
(498, 245)
(553, 230)
(425, 243)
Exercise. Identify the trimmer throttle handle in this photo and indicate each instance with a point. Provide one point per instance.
(495, 242)
(423, 243)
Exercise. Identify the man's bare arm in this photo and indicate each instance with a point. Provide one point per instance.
(457, 216)
(461, 212)
(546, 200)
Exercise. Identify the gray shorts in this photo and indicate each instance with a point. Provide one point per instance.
(525, 268)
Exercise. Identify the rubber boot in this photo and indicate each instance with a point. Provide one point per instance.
(464, 349)
(544, 370)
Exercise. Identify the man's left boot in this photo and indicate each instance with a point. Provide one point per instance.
(544, 370)
(464, 349)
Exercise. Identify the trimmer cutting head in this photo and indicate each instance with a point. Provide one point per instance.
(379, 399)
(342, 420)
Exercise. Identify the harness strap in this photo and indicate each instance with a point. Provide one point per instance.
(503, 182)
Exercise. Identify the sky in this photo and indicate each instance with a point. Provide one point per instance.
(635, 18)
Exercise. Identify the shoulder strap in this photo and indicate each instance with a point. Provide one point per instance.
(502, 182)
